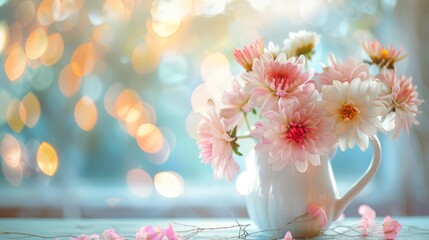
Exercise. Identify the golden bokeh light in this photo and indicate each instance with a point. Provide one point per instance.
(25, 12)
(137, 116)
(169, 184)
(149, 138)
(15, 63)
(215, 69)
(55, 52)
(139, 183)
(36, 44)
(134, 113)
(4, 35)
(15, 115)
(85, 113)
(68, 81)
(10, 150)
(47, 159)
(62, 9)
(50, 11)
(83, 59)
(145, 59)
(125, 102)
(31, 106)
(165, 28)
(44, 12)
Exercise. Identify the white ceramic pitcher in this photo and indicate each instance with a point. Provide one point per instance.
(276, 198)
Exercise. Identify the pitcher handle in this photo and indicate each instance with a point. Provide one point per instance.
(341, 203)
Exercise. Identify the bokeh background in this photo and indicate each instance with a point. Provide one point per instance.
(99, 101)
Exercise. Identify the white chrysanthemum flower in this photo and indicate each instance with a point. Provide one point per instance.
(301, 43)
(356, 108)
(273, 49)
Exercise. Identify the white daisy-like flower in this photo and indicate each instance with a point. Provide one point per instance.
(301, 43)
(356, 108)
(273, 49)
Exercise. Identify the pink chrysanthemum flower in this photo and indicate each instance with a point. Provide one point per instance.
(342, 72)
(355, 107)
(277, 80)
(391, 228)
(216, 144)
(382, 56)
(235, 102)
(298, 133)
(403, 102)
(246, 55)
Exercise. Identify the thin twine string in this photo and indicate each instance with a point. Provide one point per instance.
(347, 231)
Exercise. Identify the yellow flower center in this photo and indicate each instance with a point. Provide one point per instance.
(348, 112)
(384, 53)
(306, 50)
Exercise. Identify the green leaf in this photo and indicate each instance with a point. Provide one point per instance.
(235, 147)
(254, 111)
(234, 132)
(368, 62)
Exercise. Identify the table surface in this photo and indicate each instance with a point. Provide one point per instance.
(412, 228)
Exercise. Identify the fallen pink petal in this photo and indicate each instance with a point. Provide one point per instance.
(288, 236)
(110, 234)
(317, 211)
(367, 212)
(391, 228)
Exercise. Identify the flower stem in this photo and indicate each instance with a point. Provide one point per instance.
(244, 136)
(247, 121)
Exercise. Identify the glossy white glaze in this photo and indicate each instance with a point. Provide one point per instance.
(277, 198)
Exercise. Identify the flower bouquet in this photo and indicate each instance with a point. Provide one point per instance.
(303, 116)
